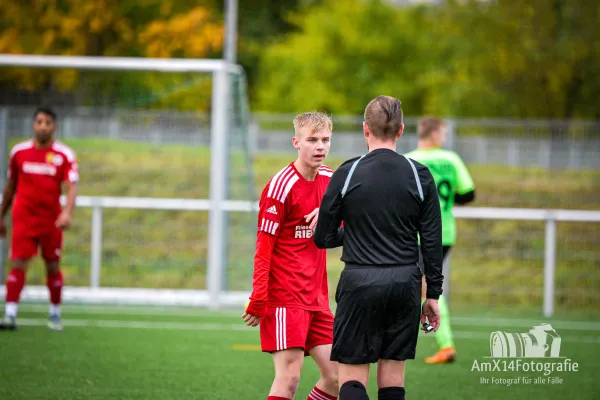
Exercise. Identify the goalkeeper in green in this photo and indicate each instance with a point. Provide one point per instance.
(455, 185)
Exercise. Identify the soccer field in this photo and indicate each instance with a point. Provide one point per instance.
(184, 353)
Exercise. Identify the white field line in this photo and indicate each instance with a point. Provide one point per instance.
(496, 323)
(500, 323)
(238, 328)
(140, 324)
(132, 310)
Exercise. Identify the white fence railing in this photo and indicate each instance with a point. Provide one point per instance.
(215, 298)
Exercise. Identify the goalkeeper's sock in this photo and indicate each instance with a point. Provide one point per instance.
(318, 394)
(444, 333)
(14, 285)
(353, 390)
(55, 285)
(391, 393)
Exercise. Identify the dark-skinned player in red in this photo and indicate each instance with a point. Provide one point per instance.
(38, 170)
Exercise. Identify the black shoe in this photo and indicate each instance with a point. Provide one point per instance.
(8, 323)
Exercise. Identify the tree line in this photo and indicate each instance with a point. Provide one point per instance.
(470, 58)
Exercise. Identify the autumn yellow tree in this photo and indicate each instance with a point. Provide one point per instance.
(152, 28)
(194, 33)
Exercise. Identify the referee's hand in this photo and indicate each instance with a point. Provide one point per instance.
(431, 314)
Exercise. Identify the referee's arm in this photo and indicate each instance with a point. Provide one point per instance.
(328, 232)
(430, 230)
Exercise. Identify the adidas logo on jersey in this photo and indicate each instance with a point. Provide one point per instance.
(272, 210)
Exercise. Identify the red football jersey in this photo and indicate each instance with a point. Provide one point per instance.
(297, 274)
(39, 174)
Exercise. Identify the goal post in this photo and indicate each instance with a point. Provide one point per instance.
(221, 70)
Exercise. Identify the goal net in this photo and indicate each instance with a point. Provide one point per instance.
(166, 175)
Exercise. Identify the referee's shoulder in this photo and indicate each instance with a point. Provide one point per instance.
(423, 171)
(349, 162)
(420, 167)
(346, 165)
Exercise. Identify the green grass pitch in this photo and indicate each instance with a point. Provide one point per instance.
(146, 353)
(115, 352)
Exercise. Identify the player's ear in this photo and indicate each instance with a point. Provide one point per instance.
(295, 142)
(366, 129)
(400, 132)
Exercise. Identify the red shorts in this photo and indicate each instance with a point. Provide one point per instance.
(284, 328)
(26, 240)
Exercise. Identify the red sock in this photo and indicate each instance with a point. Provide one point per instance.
(14, 285)
(277, 398)
(318, 394)
(55, 285)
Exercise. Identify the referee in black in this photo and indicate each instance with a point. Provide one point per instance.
(386, 202)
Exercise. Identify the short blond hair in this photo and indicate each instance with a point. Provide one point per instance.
(316, 121)
(428, 125)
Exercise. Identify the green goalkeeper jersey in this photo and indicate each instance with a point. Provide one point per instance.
(451, 177)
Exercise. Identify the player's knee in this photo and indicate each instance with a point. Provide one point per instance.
(390, 373)
(292, 378)
(330, 378)
(20, 263)
(52, 267)
(288, 380)
(287, 376)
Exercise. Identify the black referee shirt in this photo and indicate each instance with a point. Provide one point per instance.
(384, 208)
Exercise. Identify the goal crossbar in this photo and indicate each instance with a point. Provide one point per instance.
(219, 131)
(118, 63)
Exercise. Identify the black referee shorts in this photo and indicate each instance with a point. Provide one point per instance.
(378, 314)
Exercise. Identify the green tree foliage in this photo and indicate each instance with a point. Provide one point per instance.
(461, 58)
(262, 23)
(343, 55)
(535, 59)
(473, 58)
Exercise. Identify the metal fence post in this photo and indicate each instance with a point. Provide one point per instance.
(217, 187)
(96, 247)
(450, 134)
(549, 267)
